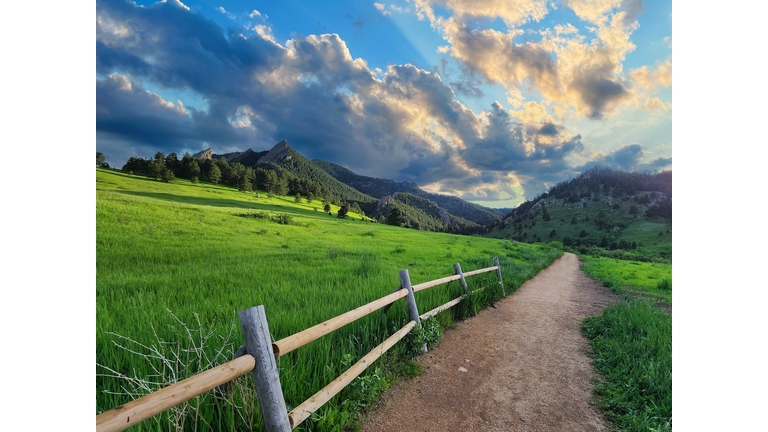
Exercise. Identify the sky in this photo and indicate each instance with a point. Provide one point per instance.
(487, 100)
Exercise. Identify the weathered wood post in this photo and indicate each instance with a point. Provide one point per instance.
(258, 343)
(413, 312)
(457, 270)
(498, 273)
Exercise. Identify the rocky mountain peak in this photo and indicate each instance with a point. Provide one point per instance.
(203, 155)
(278, 154)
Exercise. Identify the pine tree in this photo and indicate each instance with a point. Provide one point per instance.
(168, 175)
(394, 217)
(343, 211)
(214, 175)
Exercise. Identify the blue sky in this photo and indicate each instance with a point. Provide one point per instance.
(491, 101)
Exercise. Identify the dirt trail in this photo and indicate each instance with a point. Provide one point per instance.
(527, 368)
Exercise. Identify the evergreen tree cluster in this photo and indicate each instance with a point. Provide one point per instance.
(282, 183)
(420, 213)
(599, 183)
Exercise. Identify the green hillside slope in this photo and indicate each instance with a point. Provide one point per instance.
(378, 187)
(428, 215)
(283, 157)
(620, 214)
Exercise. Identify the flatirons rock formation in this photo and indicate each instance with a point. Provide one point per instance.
(203, 155)
(248, 158)
(278, 154)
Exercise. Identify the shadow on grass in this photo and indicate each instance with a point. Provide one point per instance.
(229, 203)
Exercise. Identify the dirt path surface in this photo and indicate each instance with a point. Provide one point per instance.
(526, 365)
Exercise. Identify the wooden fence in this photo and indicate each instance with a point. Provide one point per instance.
(258, 356)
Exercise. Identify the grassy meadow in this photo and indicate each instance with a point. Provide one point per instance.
(632, 344)
(176, 261)
(632, 350)
(654, 279)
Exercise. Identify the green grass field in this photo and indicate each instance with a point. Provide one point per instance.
(634, 276)
(632, 345)
(632, 349)
(175, 263)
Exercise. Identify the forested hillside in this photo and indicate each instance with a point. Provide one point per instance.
(614, 213)
(421, 213)
(283, 158)
(379, 188)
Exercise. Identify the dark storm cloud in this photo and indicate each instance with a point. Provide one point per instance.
(655, 165)
(546, 129)
(110, 58)
(508, 145)
(627, 158)
(124, 108)
(598, 91)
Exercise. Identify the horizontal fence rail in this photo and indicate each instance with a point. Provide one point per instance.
(298, 340)
(136, 411)
(252, 357)
(301, 412)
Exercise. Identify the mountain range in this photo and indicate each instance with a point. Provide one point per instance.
(375, 196)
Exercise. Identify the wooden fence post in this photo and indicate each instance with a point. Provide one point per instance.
(457, 270)
(266, 379)
(498, 273)
(413, 312)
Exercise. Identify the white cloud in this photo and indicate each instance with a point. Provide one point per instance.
(593, 11)
(176, 3)
(650, 79)
(381, 8)
(229, 15)
(265, 32)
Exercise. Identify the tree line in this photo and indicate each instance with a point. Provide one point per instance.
(218, 171)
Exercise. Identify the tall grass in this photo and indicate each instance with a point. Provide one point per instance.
(172, 255)
(632, 349)
(651, 278)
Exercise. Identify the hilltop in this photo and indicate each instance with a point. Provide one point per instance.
(622, 214)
